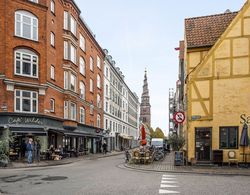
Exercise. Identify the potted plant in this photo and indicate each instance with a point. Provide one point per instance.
(4, 148)
(177, 142)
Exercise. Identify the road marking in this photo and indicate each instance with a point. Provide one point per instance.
(168, 186)
(168, 181)
(168, 192)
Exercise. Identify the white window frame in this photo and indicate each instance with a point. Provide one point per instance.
(31, 99)
(91, 63)
(52, 72)
(66, 50)
(52, 39)
(98, 97)
(82, 66)
(66, 80)
(72, 111)
(98, 62)
(33, 25)
(66, 109)
(65, 20)
(73, 82)
(91, 85)
(73, 53)
(98, 81)
(52, 6)
(82, 42)
(98, 120)
(52, 105)
(34, 1)
(73, 25)
(82, 115)
(19, 57)
(82, 90)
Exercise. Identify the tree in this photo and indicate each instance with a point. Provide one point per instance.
(176, 141)
(159, 133)
(4, 147)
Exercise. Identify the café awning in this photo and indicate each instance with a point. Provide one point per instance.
(28, 130)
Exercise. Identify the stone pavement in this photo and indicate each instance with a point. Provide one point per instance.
(167, 165)
(43, 163)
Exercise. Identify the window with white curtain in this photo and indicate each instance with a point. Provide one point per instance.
(82, 42)
(98, 121)
(98, 81)
(72, 54)
(82, 90)
(82, 115)
(26, 63)
(99, 101)
(52, 6)
(72, 82)
(66, 20)
(82, 66)
(66, 80)
(98, 62)
(91, 87)
(66, 50)
(72, 111)
(91, 64)
(26, 25)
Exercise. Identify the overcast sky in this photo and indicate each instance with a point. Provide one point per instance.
(142, 34)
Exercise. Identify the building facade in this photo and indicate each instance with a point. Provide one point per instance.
(145, 107)
(217, 66)
(51, 75)
(120, 108)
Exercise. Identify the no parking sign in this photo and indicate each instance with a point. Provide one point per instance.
(179, 117)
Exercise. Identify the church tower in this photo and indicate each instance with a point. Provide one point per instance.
(145, 113)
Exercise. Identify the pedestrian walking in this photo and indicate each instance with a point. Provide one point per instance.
(37, 148)
(29, 149)
(104, 147)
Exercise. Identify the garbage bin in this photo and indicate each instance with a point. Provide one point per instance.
(179, 158)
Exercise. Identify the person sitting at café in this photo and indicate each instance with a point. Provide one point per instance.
(50, 152)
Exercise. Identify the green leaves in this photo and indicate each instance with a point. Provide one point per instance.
(176, 141)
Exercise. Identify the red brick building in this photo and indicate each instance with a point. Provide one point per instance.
(50, 74)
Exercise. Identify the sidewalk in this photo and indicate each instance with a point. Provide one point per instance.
(167, 165)
(44, 163)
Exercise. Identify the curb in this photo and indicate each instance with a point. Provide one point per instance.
(61, 163)
(187, 172)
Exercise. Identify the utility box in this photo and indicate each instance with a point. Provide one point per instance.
(218, 156)
(178, 158)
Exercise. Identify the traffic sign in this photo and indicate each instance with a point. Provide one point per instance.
(179, 117)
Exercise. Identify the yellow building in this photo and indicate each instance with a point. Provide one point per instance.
(217, 67)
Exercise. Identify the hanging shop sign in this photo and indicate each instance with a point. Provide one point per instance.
(179, 117)
(244, 119)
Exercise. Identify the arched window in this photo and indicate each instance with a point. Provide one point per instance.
(82, 115)
(82, 66)
(26, 25)
(98, 81)
(98, 121)
(26, 63)
(82, 90)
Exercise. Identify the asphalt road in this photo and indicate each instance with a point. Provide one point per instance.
(107, 176)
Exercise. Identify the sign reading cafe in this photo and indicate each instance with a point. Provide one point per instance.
(25, 120)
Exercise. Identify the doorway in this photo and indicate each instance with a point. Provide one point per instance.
(203, 146)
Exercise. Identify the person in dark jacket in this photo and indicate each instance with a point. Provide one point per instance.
(104, 147)
(29, 148)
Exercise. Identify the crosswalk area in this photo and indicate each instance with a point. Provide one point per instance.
(169, 185)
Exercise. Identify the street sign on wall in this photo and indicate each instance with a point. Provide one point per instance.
(179, 117)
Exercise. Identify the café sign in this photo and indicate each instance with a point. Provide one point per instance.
(25, 120)
(244, 119)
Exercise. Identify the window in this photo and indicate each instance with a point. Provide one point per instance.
(72, 54)
(91, 108)
(66, 80)
(72, 82)
(91, 64)
(52, 105)
(82, 42)
(26, 63)
(98, 81)
(66, 50)
(107, 72)
(52, 6)
(35, 1)
(99, 101)
(82, 90)
(82, 66)
(66, 20)
(73, 111)
(26, 25)
(66, 109)
(106, 124)
(91, 87)
(52, 72)
(98, 121)
(107, 90)
(107, 105)
(26, 101)
(52, 39)
(82, 115)
(98, 62)
(228, 137)
(73, 25)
